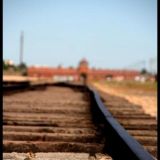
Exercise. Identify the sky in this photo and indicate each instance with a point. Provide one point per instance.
(108, 33)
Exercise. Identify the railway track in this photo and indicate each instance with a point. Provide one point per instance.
(142, 126)
(65, 118)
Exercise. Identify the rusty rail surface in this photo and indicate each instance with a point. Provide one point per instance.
(112, 137)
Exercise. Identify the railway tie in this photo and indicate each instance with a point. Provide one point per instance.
(64, 121)
(142, 126)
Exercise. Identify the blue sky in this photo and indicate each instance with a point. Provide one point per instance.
(108, 33)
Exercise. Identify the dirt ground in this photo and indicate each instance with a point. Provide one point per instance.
(17, 78)
(33, 80)
(147, 99)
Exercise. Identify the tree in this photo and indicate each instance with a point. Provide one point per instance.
(23, 68)
(143, 71)
(5, 66)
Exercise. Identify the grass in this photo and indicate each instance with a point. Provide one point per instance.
(147, 86)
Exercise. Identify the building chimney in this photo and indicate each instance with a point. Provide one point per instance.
(21, 47)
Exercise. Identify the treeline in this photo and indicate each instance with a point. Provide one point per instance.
(12, 68)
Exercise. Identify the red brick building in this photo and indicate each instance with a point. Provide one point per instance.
(81, 72)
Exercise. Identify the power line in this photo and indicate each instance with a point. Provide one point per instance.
(150, 65)
(137, 66)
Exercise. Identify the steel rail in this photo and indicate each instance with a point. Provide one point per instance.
(119, 144)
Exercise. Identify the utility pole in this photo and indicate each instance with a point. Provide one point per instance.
(21, 47)
(152, 65)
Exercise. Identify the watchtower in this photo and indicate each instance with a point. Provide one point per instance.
(83, 71)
